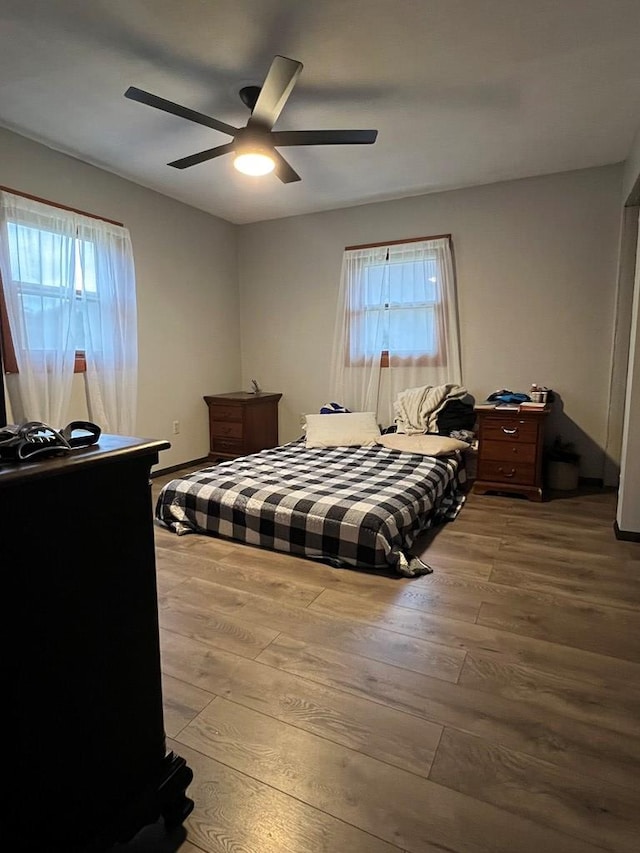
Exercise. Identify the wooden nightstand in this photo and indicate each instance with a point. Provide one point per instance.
(510, 451)
(241, 423)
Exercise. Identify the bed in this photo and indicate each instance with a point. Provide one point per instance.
(359, 507)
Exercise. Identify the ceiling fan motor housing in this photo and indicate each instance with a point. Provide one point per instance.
(253, 138)
(249, 95)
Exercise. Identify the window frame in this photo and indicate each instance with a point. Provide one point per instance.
(440, 308)
(7, 347)
(9, 359)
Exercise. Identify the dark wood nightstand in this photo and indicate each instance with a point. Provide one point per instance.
(510, 451)
(241, 423)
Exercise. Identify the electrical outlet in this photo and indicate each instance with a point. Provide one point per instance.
(176, 427)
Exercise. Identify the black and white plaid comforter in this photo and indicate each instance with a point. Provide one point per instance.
(354, 506)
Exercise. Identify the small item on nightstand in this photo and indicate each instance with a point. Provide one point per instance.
(255, 388)
(540, 396)
(506, 397)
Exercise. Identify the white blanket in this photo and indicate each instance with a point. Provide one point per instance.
(416, 409)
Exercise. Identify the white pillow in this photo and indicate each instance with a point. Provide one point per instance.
(427, 445)
(342, 430)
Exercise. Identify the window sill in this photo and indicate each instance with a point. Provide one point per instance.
(79, 366)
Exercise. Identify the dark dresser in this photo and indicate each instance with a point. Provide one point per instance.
(85, 755)
(241, 423)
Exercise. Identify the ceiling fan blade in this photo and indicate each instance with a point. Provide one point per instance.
(277, 86)
(202, 156)
(283, 170)
(150, 100)
(323, 137)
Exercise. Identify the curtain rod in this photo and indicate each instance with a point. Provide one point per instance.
(61, 206)
(398, 242)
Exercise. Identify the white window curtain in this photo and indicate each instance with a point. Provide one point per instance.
(69, 285)
(109, 324)
(397, 307)
(37, 262)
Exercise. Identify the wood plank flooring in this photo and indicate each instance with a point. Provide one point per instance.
(491, 707)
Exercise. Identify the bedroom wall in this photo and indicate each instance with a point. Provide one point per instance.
(628, 509)
(631, 172)
(188, 325)
(621, 339)
(536, 268)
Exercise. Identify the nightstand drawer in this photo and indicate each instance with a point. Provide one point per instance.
(508, 451)
(226, 413)
(507, 472)
(509, 429)
(227, 429)
(226, 445)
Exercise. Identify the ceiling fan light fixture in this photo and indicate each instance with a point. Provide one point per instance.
(256, 145)
(254, 163)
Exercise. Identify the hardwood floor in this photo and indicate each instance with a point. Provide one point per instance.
(491, 707)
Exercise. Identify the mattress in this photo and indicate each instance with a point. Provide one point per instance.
(359, 507)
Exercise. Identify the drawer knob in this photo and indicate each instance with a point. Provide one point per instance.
(511, 473)
(507, 431)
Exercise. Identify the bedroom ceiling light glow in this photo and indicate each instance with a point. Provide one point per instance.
(254, 163)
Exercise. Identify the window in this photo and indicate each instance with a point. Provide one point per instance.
(396, 323)
(42, 282)
(402, 312)
(397, 304)
(67, 304)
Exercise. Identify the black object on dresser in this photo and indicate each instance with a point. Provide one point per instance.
(510, 451)
(241, 423)
(89, 764)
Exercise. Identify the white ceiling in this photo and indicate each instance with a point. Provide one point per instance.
(462, 92)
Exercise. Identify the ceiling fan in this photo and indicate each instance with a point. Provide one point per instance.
(255, 145)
